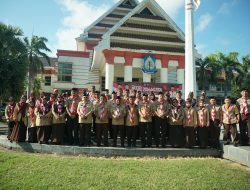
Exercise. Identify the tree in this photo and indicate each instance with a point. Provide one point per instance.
(206, 72)
(13, 62)
(36, 48)
(228, 65)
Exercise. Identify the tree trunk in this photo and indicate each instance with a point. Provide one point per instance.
(29, 84)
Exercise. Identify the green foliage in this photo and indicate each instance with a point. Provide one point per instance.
(37, 171)
(13, 62)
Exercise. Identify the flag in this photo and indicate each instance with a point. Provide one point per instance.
(197, 3)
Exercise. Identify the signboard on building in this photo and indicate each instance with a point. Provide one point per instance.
(149, 66)
(149, 87)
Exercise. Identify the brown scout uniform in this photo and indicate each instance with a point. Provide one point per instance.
(203, 127)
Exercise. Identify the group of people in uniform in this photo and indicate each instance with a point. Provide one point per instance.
(131, 115)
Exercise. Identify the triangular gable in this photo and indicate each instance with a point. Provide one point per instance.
(107, 13)
(157, 8)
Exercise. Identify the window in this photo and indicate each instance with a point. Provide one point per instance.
(135, 80)
(119, 79)
(65, 72)
(103, 83)
(47, 80)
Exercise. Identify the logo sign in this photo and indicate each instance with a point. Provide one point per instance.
(149, 66)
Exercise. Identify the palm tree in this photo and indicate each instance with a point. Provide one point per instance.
(36, 49)
(12, 61)
(228, 65)
(206, 72)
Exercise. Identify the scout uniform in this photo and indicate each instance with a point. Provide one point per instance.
(85, 110)
(244, 107)
(118, 123)
(20, 117)
(176, 132)
(215, 115)
(203, 126)
(32, 130)
(131, 122)
(43, 120)
(162, 110)
(72, 119)
(190, 123)
(59, 119)
(102, 113)
(230, 113)
(146, 110)
(9, 111)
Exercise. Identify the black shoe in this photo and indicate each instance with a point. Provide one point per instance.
(226, 143)
(235, 144)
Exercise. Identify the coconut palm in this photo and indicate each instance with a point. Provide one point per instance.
(36, 48)
(228, 65)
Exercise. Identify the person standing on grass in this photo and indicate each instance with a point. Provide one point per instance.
(176, 132)
(111, 103)
(230, 118)
(215, 114)
(131, 121)
(101, 112)
(85, 110)
(59, 113)
(146, 110)
(162, 111)
(118, 114)
(72, 119)
(32, 129)
(190, 124)
(203, 125)
(9, 111)
(43, 119)
(244, 107)
(18, 133)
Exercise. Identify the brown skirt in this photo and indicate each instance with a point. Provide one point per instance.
(19, 132)
(177, 135)
(58, 133)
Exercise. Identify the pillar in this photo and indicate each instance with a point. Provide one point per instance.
(164, 69)
(190, 73)
(109, 76)
(146, 77)
(128, 68)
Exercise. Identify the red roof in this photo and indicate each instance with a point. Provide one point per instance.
(70, 53)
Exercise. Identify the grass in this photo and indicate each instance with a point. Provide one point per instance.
(38, 171)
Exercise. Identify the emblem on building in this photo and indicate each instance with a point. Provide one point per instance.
(149, 66)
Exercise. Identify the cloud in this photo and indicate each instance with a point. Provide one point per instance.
(204, 21)
(81, 13)
(226, 7)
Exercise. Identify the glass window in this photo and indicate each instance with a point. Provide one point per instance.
(135, 80)
(63, 78)
(103, 83)
(47, 80)
(63, 72)
(64, 66)
(119, 79)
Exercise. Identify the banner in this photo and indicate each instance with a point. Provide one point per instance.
(149, 87)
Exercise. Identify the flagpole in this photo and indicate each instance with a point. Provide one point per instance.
(190, 71)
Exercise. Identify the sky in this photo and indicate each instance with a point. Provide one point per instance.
(220, 25)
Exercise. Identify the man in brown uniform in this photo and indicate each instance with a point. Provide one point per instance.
(118, 114)
(215, 115)
(230, 119)
(132, 121)
(85, 110)
(72, 119)
(101, 113)
(162, 110)
(190, 123)
(146, 110)
(203, 124)
(111, 103)
(244, 107)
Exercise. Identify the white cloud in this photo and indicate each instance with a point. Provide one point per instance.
(226, 7)
(204, 21)
(81, 13)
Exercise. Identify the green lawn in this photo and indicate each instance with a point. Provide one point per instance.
(37, 171)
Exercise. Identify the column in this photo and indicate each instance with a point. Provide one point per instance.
(109, 76)
(128, 68)
(190, 74)
(164, 69)
(146, 77)
(181, 78)
(164, 75)
(128, 73)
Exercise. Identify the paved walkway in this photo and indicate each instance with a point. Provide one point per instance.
(3, 128)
